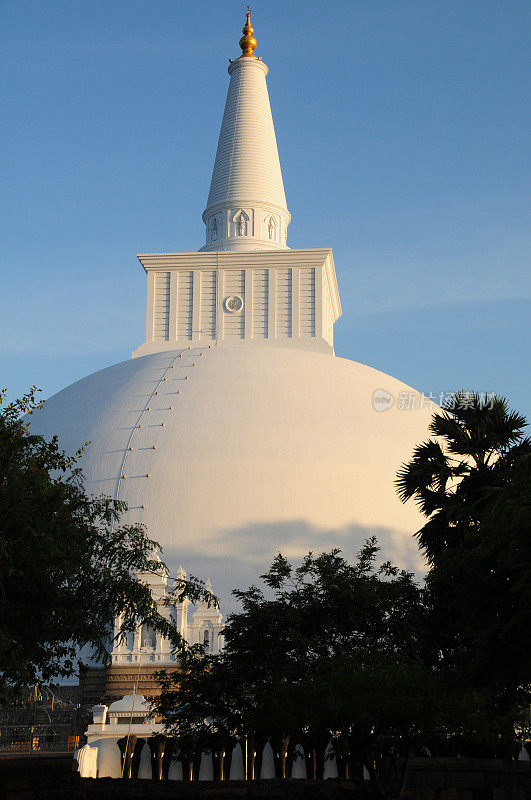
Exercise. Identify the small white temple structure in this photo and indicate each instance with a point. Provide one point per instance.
(146, 646)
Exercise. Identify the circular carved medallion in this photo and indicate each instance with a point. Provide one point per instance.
(233, 303)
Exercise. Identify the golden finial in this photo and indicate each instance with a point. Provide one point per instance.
(248, 43)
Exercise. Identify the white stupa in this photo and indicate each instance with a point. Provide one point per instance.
(235, 431)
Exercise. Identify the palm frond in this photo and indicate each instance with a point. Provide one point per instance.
(427, 465)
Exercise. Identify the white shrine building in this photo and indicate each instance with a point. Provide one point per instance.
(146, 646)
(235, 431)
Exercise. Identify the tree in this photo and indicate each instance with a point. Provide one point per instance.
(472, 483)
(452, 477)
(66, 564)
(328, 652)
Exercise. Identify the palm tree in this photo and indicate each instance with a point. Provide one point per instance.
(452, 476)
(472, 483)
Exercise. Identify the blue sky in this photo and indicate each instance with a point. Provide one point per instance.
(403, 132)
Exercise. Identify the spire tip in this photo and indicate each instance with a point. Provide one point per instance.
(248, 43)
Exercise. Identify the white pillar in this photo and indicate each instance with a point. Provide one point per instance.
(172, 326)
(319, 322)
(295, 303)
(150, 305)
(248, 307)
(196, 303)
(271, 305)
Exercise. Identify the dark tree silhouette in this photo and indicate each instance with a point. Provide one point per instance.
(473, 485)
(66, 563)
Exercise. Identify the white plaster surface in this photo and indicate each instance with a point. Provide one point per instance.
(87, 761)
(126, 704)
(247, 162)
(267, 771)
(175, 772)
(206, 768)
(144, 768)
(246, 198)
(109, 765)
(330, 764)
(298, 770)
(263, 449)
(237, 769)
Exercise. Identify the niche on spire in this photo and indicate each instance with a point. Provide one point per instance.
(271, 228)
(213, 229)
(241, 224)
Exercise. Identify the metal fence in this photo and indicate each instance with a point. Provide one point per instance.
(36, 744)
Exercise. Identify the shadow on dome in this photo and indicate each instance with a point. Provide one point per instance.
(237, 559)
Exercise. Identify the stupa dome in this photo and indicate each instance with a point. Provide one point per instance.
(235, 432)
(257, 449)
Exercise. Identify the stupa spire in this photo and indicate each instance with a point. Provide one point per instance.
(246, 206)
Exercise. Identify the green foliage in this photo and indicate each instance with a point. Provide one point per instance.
(66, 563)
(327, 651)
(473, 485)
(451, 478)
